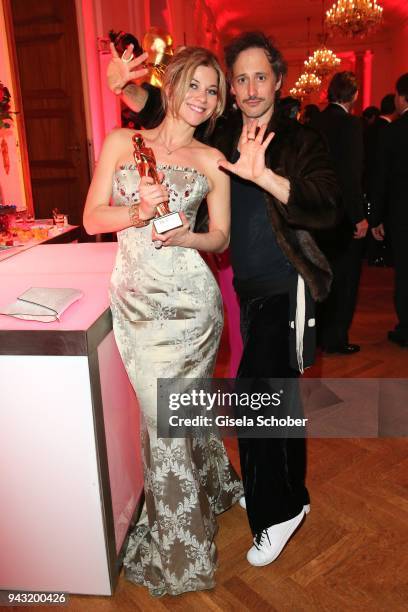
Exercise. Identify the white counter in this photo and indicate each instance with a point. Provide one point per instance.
(70, 467)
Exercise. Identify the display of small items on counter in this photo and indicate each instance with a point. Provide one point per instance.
(28, 233)
(16, 229)
(22, 234)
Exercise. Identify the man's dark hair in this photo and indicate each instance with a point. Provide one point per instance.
(387, 106)
(342, 87)
(371, 111)
(122, 39)
(258, 40)
(402, 86)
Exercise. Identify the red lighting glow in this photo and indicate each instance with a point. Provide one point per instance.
(367, 78)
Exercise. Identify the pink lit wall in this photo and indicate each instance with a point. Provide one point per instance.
(382, 81)
(91, 77)
(11, 183)
(367, 77)
(190, 22)
(160, 15)
(399, 53)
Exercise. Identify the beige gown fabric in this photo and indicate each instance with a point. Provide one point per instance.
(168, 317)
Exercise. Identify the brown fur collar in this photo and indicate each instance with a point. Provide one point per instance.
(296, 242)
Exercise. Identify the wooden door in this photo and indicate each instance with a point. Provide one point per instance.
(46, 40)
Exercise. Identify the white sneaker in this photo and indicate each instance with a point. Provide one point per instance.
(242, 503)
(270, 542)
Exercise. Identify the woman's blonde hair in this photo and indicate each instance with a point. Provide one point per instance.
(178, 76)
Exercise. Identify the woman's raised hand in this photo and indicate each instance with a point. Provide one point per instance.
(120, 72)
(252, 147)
(151, 195)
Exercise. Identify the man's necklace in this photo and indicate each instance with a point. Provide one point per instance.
(171, 151)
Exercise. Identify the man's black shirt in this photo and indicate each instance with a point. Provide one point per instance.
(255, 254)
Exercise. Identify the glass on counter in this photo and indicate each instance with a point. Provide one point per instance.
(59, 218)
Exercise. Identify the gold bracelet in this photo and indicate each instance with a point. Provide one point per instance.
(135, 220)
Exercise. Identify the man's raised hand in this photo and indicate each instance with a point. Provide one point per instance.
(252, 147)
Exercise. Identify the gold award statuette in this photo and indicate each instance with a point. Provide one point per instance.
(145, 161)
(158, 44)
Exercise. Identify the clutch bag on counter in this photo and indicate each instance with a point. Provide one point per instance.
(45, 304)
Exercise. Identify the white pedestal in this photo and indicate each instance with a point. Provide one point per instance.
(70, 468)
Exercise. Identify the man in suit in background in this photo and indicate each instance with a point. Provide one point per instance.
(344, 247)
(390, 202)
(372, 135)
(387, 110)
(378, 253)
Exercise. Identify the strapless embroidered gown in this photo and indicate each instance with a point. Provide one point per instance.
(168, 317)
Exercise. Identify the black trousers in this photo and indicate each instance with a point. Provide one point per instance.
(335, 314)
(273, 469)
(399, 242)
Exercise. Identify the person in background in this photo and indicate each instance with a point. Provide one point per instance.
(370, 114)
(309, 113)
(374, 124)
(390, 203)
(344, 246)
(387, 110)
(378, 252)
(289, 108)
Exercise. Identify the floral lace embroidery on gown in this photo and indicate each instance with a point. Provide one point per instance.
(168, 316)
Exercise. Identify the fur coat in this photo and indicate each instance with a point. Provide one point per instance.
(299, 154)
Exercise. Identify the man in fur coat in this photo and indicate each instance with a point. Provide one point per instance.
(283, 188)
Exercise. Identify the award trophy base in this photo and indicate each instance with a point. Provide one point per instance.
(167, 222)
(164, 223)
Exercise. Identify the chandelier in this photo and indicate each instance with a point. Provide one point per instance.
(307, 83)
(354, 17)
(295, 92)
(322, 62)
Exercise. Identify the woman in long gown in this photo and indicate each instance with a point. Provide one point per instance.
(168, 317)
